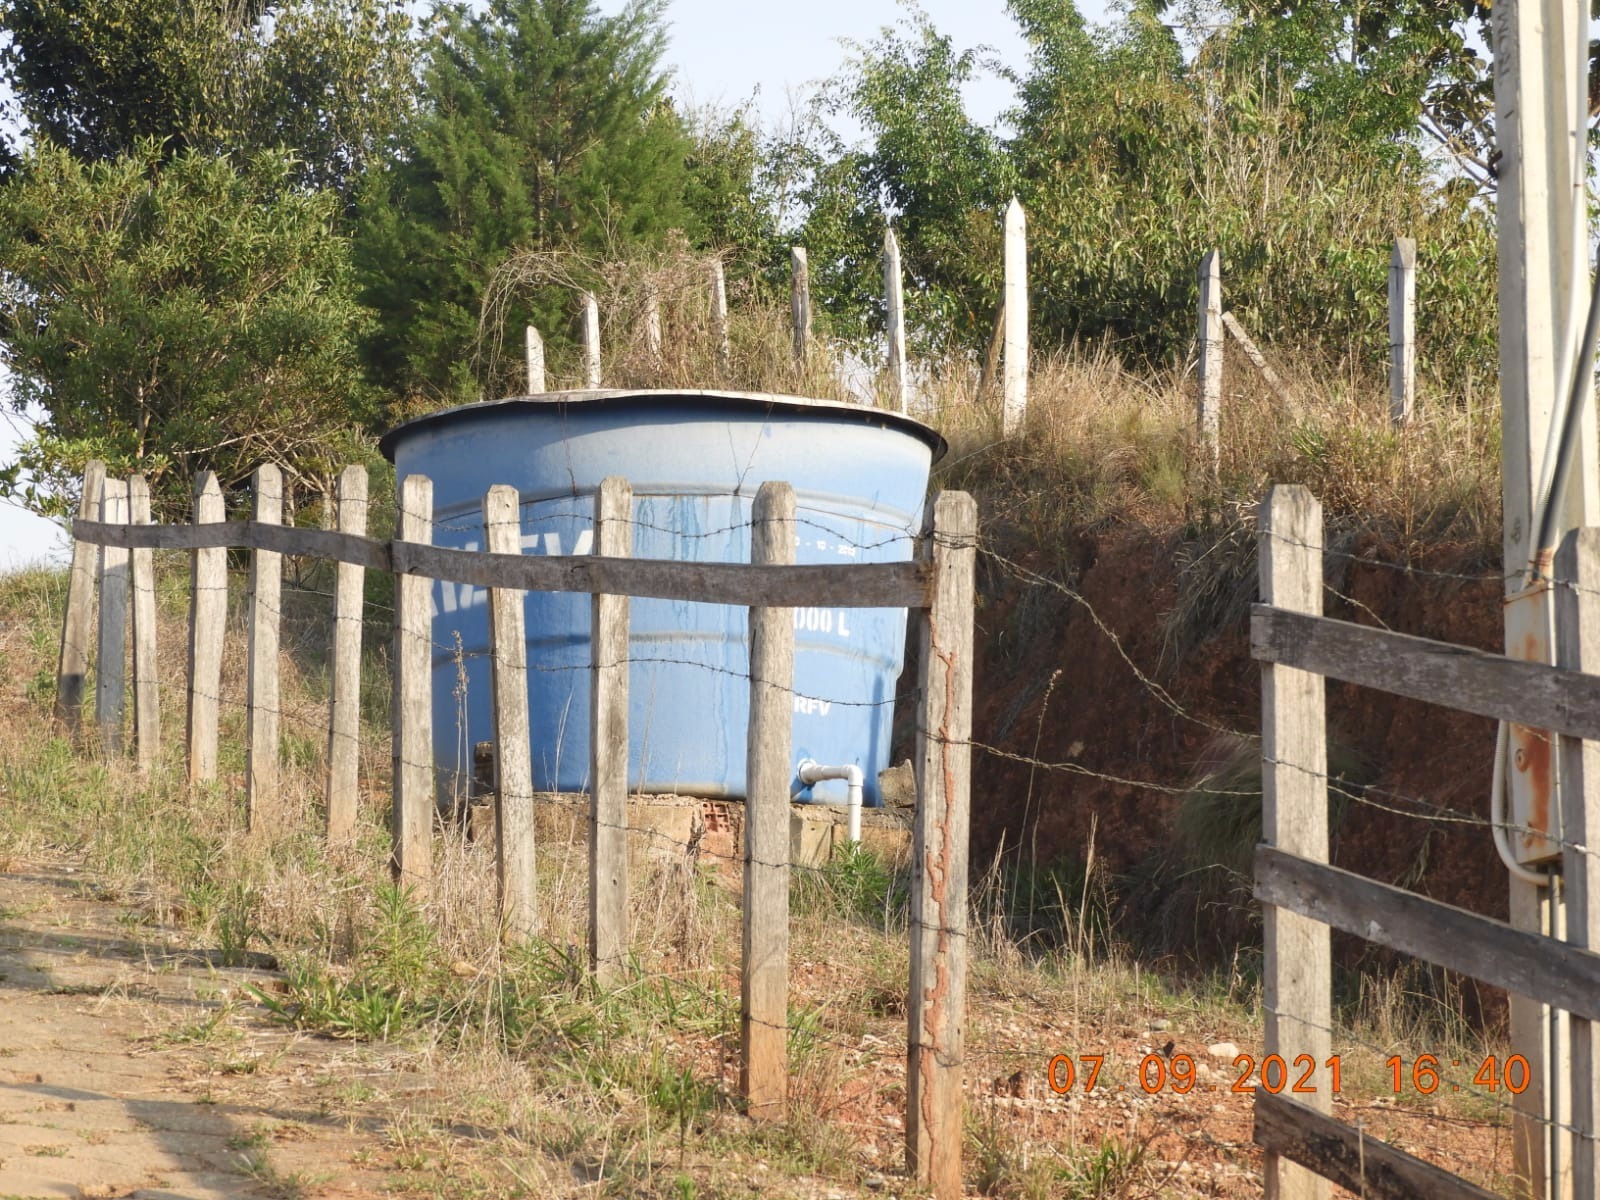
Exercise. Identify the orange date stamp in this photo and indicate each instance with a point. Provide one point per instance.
(1178, 1074)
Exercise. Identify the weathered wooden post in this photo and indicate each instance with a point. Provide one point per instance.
(110, 667)
(508, 669)
(1297, 974)
(937, 1004)
(208, 619)
(591, 341)
(608, 744)
(533, 350)
(1402, 329)
(1015, 401)
(1577, 569)
(263, 800)
(769, 768)
(800, 303)
(1209, 371)
(895, 306)
(412, 863)
(719, 316)
(72, 668)
(344, 707)
(146, 685)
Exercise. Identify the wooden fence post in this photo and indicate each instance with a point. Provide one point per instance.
(1297, 983)
(508, 669)
(110, 666)
(534, 352)
(1015, 400)
(1402, 329)
(591, 341)
(1209, 371)
(769, 771)
(412, 863)
(146, 686)
(1578, 649)
(800, 303)
(608, 743)
(72, 668)
(937, 1003)
(895, 304)
(344, 707)
(208, 620)
(719, 316)
(262, 795)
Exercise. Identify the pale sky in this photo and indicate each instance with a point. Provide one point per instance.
(723, 52)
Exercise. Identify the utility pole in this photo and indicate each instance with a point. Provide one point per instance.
(1541, 116)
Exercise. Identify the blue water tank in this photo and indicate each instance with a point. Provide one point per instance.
(695, 461)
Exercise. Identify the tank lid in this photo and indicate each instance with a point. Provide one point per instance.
(746, 402)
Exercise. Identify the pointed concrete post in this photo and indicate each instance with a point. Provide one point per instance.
(895, 307)
(591, 341)
(1016, 320)
(1209, 403)
(652, 327)
(719, 316)
(534, 351)
(1402, 330)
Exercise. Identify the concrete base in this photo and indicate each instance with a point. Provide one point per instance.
(666, 826)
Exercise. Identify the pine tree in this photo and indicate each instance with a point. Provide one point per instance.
(547, 127)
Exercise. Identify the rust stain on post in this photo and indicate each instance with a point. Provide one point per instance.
(1532, 757)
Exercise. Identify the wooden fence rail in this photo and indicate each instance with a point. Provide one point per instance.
(938, 585)
(1303, 895)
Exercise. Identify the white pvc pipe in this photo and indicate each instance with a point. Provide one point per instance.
(811, 771)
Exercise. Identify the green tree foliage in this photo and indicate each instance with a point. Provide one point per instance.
(927, 167)
(1133, 157)
(328, 79)
(174, 316)
(1389, 70)
(547, 127)
(1135, 162)
(728, 186)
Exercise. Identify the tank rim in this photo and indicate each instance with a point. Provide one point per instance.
(745, 401)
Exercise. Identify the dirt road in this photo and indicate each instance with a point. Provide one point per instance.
(127, 1067)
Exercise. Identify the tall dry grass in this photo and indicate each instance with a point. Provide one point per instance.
(677, 281)
(1104, 445)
